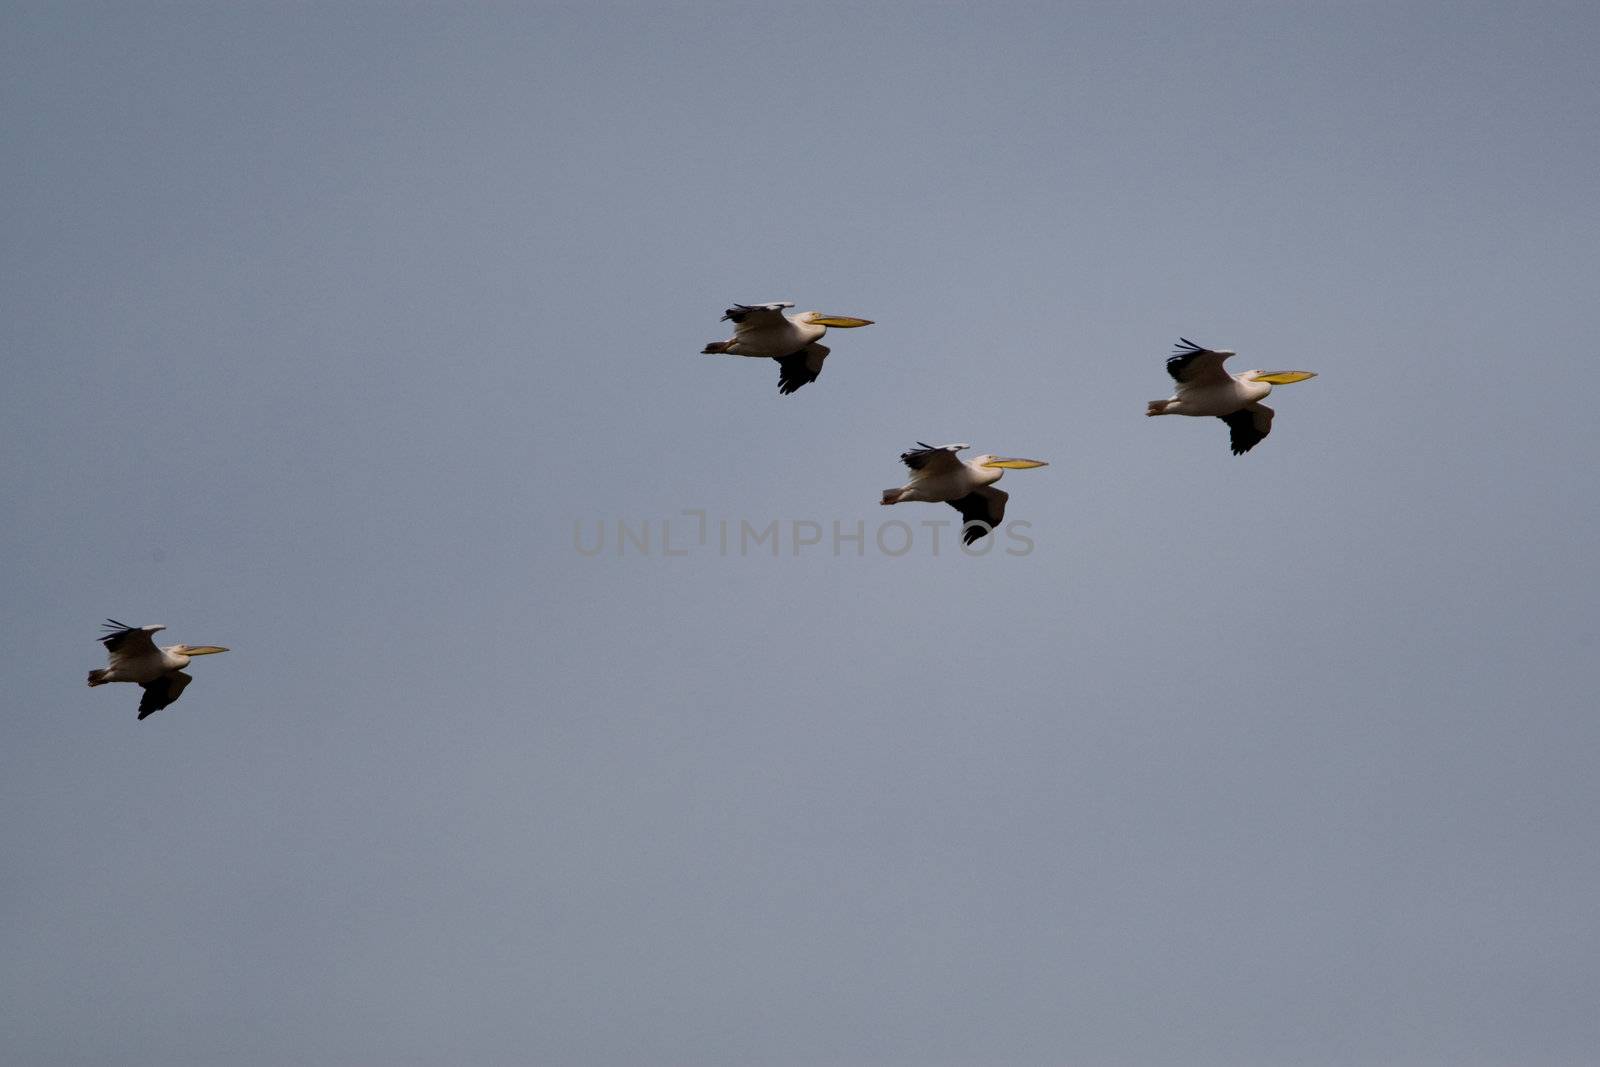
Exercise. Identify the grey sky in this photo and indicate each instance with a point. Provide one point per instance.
(325, 324)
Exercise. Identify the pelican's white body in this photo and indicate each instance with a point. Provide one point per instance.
(942, 481)
(142, 661)
(774, 334)
(1215, 393)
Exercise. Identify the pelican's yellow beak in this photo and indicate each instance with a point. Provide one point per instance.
(1284, 377)
(205, 650)
(1016, 464)
(840, 322)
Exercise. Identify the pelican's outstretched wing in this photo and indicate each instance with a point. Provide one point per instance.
(1191, 364)
(984, 505)
(1249, 427)
(128, 642)
(801, 367)
(932, 459)
(756, 314)
(161, 692)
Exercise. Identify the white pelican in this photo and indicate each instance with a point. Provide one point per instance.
(1204, 388)
(764, 330)
(937, 476)
(134, 657)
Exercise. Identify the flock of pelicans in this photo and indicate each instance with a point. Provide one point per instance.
(763, 331)
(937, 476)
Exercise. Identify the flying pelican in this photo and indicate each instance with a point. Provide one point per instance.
(1204, 388)
(938, 476)
(134, 657)
(764, 330)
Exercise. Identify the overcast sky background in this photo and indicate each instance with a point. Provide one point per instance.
(324, 324)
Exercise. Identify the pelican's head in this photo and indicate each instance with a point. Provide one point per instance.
(196, 650)
(837, 322)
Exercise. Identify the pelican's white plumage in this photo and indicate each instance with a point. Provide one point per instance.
(763, 330)
(938, 475)
(1205, 388)
(134, 657)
